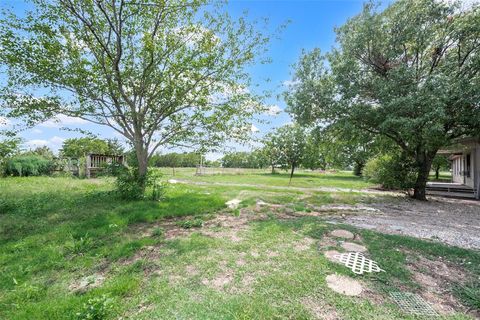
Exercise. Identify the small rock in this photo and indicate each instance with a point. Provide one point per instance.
(339, 233)
(350, 246)
(330, 255)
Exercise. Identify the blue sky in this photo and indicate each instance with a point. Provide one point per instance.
(311, 25)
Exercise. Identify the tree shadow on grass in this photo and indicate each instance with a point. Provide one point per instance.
(313, 176)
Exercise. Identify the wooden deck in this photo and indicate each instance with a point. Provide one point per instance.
(456, 190)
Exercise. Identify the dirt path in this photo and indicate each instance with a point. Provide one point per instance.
(264, 186)
(451, 221)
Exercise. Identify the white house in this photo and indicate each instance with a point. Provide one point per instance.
(465, 157)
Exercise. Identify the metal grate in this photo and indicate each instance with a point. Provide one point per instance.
(357, 262)
(412, 303)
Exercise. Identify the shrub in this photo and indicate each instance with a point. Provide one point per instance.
(157, 192)
(28, 165)
(96, 308)
(130, 186)
(391, 171)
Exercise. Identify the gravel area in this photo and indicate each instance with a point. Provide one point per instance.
(452, 221)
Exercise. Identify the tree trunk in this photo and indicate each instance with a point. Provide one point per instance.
(273, 168)
(437, 172)
(291, 174)
(424, 163)
(142, 158)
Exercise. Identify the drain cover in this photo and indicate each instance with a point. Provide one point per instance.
(357, 262)
(412, 303)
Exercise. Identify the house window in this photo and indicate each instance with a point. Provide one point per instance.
(467, 165)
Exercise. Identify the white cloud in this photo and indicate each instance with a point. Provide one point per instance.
(273, 110)
(54, 142)
(57, 140)
(37, 131)
(35, 143)
(254, 129)
(62, 120)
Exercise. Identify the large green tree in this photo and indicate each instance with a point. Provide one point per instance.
(79, 147)
(410, 73)
(157, 72)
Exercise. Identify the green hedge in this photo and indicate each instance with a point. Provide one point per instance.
(28, 165)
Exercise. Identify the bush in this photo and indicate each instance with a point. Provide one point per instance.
(28, 165)
(130, 186)
(96, 308)
(391, 171)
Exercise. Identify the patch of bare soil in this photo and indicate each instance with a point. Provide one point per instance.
(227, 226)
(224, 282)
(320, 309)
(344, 285)
(436, 279)
(327, 242)
(451, 221)
(303, 244)
(86, 283)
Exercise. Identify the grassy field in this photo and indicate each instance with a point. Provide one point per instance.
(260, 177)
(70, 249)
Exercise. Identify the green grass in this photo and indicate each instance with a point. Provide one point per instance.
(444, 176)
(57, 232)
(301, 178)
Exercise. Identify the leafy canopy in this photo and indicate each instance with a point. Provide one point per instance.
(410, 73)
(79, 147)
(158, 72)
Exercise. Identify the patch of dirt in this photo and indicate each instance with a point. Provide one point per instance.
(436, 279)
(320, 309)
(272, 254)
(192, 270)
(451, 221)
(241, 262)
(303, 244)
(344, 285)
(148, 253)
(228, 226)
(86, 283)
(220, 281)
(327, 242)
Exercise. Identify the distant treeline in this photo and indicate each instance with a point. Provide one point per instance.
(175, 160)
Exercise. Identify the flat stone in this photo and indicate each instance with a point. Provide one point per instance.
(330, 255)
(350, 246)
(344, 285)
(339, 233)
